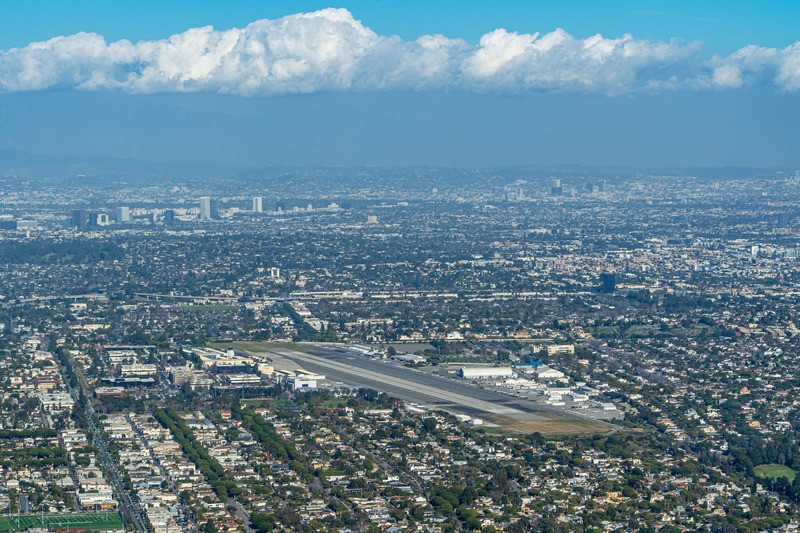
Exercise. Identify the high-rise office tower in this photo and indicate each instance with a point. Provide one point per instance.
(80, 218)
(123, 215)
(205, 208)
(555, 187)
(608, 282)
(258, 204)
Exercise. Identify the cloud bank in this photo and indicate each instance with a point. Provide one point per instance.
(329, 50)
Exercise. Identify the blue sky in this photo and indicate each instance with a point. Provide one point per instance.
(723, 26)
(695, 84)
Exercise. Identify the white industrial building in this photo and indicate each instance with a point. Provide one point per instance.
(121, 356)
(519, 383)
(97, 500)
(242, 380)
(485, 372)
(56, 402)
(138, 370)
(545, 372)
(302, 382)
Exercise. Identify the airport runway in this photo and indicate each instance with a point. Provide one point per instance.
(413, 386)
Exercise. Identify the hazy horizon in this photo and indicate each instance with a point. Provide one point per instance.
(386, 129)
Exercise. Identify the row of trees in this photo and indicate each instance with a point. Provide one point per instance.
(27, 433)
(37, 453)
(34, 463)
(33, 457)
(210, 468)
(264, 433)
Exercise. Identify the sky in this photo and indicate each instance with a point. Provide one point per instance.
(404, 82)
(723, 25)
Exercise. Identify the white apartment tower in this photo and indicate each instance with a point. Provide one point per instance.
(123, 215)
(205, 208)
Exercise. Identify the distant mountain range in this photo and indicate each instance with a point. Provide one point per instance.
(26, 165)
(17, 163)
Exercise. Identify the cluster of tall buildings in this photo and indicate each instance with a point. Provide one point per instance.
(18, 225)
(84, 219)
(209, 210)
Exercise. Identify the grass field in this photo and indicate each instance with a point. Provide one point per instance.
(550, 425)
(257, 346)
(89, 521)
(775, 471)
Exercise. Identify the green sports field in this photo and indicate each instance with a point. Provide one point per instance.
(775, 471)
(89, 521)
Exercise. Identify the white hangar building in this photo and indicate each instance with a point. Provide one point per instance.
(485, 372)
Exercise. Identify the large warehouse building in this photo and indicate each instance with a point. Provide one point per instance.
(485, 372)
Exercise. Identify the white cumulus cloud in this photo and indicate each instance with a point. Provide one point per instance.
(329, 50)
(558, 61)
